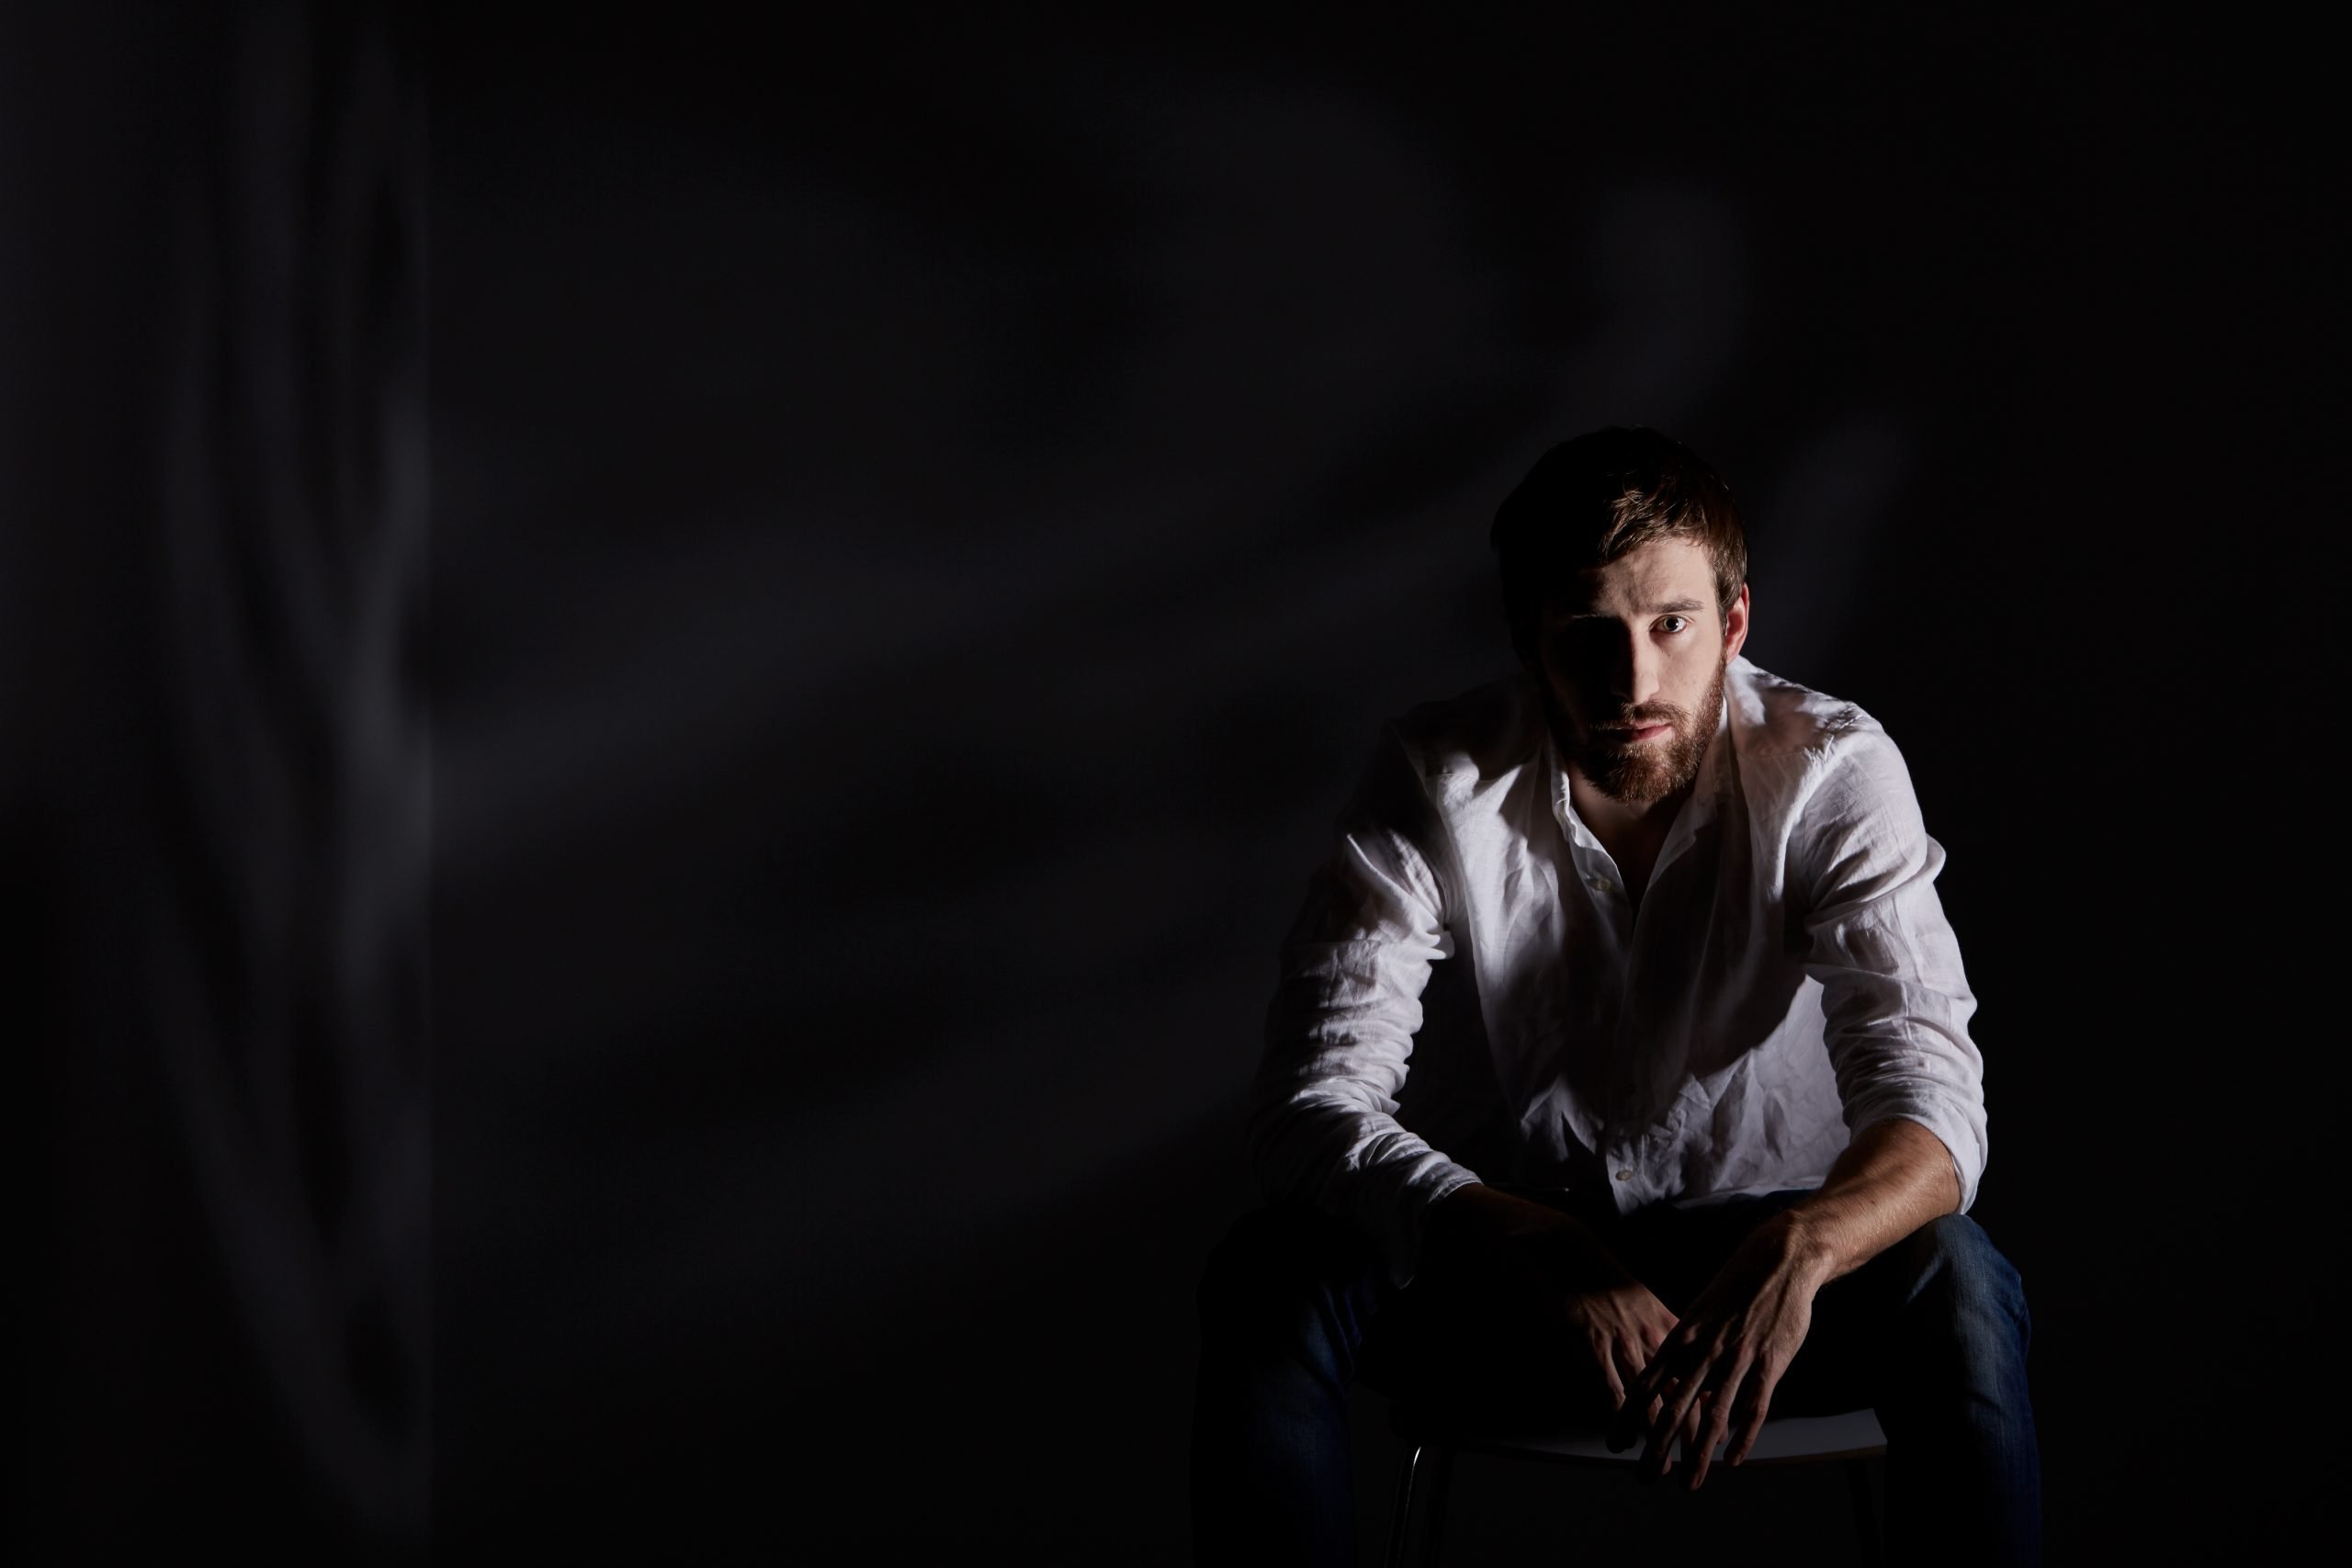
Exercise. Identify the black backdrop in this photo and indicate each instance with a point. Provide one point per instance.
(925, 515)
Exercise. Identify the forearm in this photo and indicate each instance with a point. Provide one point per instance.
(1352, 1160)
(1893, 1178)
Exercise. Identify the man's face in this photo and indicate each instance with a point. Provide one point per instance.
(1632, 656)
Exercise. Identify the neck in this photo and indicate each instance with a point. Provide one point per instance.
(1613, 818)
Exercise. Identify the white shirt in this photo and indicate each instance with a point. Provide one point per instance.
(1788, 980)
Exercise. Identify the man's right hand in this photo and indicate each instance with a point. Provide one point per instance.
(1561, 1268)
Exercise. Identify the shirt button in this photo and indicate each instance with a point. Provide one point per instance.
(1624, 1175)
(1599, 884)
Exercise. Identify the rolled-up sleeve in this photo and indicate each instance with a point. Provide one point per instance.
(1895, 998)
(1322, 1124)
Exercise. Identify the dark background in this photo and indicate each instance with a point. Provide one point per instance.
(926, 514)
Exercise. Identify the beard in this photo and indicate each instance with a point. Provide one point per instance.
(1638, 774)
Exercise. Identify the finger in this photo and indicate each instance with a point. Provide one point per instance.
(1657, 1428)
(1678, 1437)
(1606, 1354)
(1718, 1425)
(1667, 1364)
(1638, 1422)
(1672, 1419)
(1636, 1416)
(1760, 1404)
(1639, 1408)
(1719, 1409)
(1630, 1364)
(1678, 1362)
(1716, 1377)
(1687, 1438)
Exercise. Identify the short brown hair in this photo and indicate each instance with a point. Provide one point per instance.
(1598, 498)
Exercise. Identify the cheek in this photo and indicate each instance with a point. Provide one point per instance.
(1693, 671)
(1564, 691)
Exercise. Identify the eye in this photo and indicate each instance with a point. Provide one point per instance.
(1674, 623)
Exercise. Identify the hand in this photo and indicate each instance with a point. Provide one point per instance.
(1714, 1375)
(1558, 1270)
(1565, 1282)
(1620, 1320)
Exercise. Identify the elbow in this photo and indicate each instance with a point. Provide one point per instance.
(1260, 1135)
(1940, 1141)
(1302, 1138)
(1278, 1142)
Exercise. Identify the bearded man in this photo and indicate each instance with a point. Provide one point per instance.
(1693, 1118)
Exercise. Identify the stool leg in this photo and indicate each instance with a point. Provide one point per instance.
(1403, 1506)
(1441, 1479)
(1857, 1478)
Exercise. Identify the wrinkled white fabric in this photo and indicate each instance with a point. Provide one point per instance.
(1788, 979)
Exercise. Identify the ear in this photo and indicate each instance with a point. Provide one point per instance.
(1735, 626)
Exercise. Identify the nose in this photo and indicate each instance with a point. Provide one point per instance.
(1637, 668)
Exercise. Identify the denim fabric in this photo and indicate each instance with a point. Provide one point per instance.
(1296, 1308)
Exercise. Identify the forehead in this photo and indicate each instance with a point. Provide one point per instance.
(1662, 573)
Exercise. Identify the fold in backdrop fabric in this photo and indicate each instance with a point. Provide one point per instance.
(216, 448)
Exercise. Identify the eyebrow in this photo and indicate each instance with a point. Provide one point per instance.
(1670, 607)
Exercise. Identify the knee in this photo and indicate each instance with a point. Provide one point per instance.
(1957, 1276)
(1287, 1274)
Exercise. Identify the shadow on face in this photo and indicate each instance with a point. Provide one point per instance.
(1632, 654)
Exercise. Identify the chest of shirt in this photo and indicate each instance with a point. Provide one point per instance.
(1624, 1006)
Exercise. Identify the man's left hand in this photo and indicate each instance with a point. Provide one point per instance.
(1714, 1375)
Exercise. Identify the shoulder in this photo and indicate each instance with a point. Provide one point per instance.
(1773, 717)
(1475, 741)
(1829, 759)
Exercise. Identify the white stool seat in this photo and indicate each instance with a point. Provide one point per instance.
(1851, 1438)
(1785, 1439)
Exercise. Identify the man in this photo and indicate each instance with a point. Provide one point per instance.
(1694, 1116)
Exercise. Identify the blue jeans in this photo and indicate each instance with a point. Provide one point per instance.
(1296, 1307)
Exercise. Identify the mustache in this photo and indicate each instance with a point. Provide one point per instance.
(1641, 716)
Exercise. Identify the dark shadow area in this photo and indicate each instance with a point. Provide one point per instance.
(930, 518)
